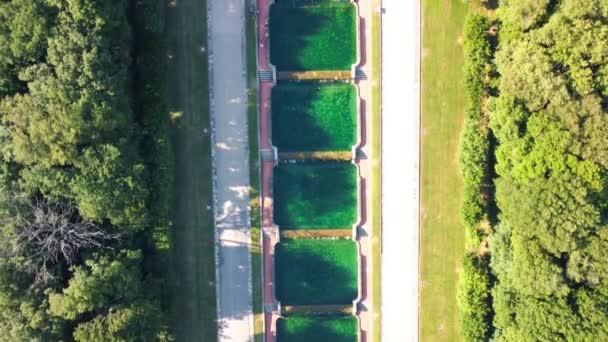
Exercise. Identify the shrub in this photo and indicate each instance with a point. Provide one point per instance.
(474, 290)
(474, 299)
(473, 159)
(477, 56)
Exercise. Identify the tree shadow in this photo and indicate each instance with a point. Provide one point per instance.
(235, 293)
(291, 29)
(362, 28)
(315, 195)
(490, 188)
(308, 272)
(317, 328)
(492, 4)
(295, 128)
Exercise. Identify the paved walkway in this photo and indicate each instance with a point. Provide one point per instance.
(365, 238)
(269, 230)
(228, 100)
(400, 168)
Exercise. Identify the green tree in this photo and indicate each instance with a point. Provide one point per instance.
(548, 251)
(25, 26)
(140, 321)
(110, 186)
(101, 283)
(474, 299)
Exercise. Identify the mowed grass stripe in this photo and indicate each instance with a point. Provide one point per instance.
(313, 116)
(192, 239)
(312, 271)
(317, 328)
(318, 37)
(315, 195)
(442, 234)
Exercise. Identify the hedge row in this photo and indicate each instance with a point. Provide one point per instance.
(478, 53)
(473, 159)
(474, 141)
(474, 291)
(474, 299)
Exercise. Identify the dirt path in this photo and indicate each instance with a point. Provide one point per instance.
(400, 168)
(193, 271)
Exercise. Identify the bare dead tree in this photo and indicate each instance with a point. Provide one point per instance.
(47, 232)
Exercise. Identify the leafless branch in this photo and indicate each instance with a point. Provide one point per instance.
(48, 232)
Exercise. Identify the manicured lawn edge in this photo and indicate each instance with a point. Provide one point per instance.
(376, 120)
(441, 230)
(254, 173)
(193, 234)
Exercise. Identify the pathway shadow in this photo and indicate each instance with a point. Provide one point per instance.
(362, 28)
(234, 284)
(492, 4)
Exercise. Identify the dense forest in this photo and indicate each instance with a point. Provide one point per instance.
(546, 101)
(83, 205)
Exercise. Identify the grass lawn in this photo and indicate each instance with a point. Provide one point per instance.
(316, 37)
(309, 116)
(376, 139)
(311, 271)
(315, 195)
(193, 258)
(317, 328)
(442, 234)
(254, 177)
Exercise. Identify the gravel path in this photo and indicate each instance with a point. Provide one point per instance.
(400, 168)
(228, 102)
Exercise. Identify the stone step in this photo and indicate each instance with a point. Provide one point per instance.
(267, 155)
(265, 75)
(360, 74)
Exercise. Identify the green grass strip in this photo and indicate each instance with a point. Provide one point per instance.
(313, 116)
(319, 37)
(441, 231)
(315, 195)
(314, 272)
(317, 328)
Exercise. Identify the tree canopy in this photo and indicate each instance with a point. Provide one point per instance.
(549, 249)
(71, 139)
